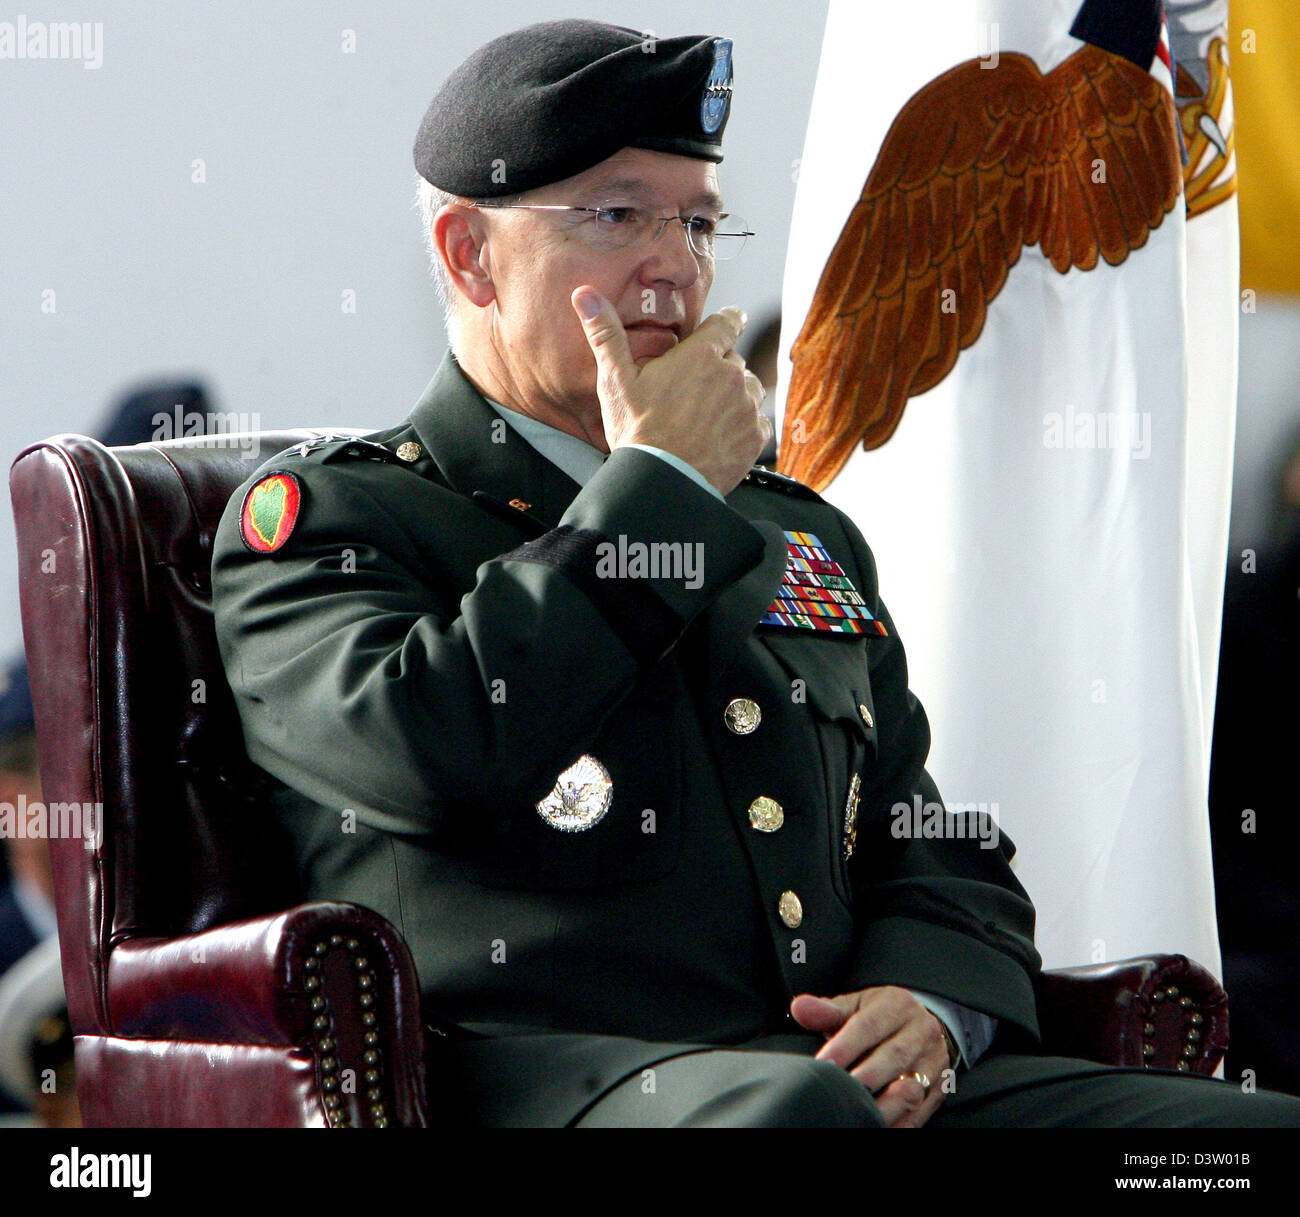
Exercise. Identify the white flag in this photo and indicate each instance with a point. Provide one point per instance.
(998, 282)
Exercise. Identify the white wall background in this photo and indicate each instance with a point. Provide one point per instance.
(307, 155)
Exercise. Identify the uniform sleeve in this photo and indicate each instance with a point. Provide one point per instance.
(942, 914)
(971, 1031)
(366, 683)
(682, 467)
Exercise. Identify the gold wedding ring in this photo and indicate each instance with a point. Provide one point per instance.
(920, 1078)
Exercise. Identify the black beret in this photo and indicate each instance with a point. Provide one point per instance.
(551, 100)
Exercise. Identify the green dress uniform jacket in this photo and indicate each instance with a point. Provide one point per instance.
(437, 641)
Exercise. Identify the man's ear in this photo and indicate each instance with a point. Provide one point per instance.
(458, 235)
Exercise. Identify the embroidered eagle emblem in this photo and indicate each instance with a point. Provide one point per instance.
(1083, 162)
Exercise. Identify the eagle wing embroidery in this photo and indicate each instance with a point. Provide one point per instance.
(978, 164)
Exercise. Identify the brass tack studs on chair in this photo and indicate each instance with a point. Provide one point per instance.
(330, 1062)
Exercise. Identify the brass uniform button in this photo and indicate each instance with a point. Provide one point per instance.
(867, 720)
(766, 815)
(742, 715)
(791, 910)
(409, 451)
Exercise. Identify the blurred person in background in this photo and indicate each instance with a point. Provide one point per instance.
(1252, 783)
(26, 884)
(759, 348)
(36, 1067)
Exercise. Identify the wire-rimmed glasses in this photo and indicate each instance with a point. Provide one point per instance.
(620, 226)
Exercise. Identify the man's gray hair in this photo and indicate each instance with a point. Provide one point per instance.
(430, 200)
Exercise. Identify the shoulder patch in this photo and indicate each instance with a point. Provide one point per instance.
(760, 475)
(270, 511)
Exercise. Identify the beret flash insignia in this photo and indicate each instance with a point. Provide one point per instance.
(270, 512)
(717, 89)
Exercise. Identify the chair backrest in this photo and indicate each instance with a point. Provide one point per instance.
(142, 757)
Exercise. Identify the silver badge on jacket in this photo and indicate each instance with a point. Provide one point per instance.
(581, 796)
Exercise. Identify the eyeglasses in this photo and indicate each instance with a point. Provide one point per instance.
(612, 226)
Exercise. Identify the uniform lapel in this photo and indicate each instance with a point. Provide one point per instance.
(456, 426)
(732, 617)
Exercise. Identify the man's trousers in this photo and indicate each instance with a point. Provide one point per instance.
(557, 1080)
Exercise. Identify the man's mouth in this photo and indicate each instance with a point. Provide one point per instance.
(670, 335)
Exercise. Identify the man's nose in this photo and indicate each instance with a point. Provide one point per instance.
(670, 256)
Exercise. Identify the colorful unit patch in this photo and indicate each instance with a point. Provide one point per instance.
(816, 594)
(270, 511)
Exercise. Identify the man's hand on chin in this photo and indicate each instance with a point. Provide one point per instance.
(697, 400)
(882, 1036)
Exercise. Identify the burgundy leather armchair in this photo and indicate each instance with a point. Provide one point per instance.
(200, 991)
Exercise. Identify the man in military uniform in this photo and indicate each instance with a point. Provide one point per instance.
(611, 725)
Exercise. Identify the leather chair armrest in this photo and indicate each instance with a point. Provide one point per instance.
(332, 981)
(1163, 1012)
